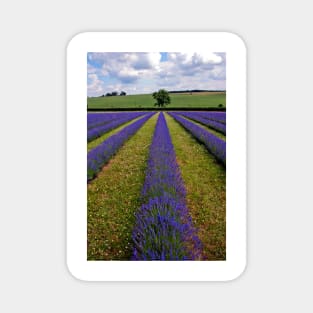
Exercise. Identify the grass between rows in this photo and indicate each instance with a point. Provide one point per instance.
(92, 144)
(209, 129)
(114, 197)
(205, 182)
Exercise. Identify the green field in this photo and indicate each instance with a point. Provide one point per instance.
(181, 100)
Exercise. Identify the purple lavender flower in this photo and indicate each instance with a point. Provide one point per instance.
(215, 145)
(98, 131)
(101, 154)
(199, 117)
(163, 229)
(214, 116)
(97, 119)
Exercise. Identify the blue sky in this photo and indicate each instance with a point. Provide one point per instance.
(146, 72)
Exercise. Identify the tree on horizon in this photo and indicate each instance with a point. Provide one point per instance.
(162, 97)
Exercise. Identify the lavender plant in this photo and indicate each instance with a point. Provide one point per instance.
(197, 116)
(163, 228)
(100, 155)
(102, 129)
(215, 116)
(215, 145)
(97, 119)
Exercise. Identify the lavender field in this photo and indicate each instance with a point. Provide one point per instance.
(156, 186)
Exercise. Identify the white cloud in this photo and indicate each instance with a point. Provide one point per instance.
(95, 85)
(192, 70)
(91, 69)
(144, 72)
(127, 67)
(146, 61)
(195, 58)
(218, 72)
(127, 75)
(190, 64)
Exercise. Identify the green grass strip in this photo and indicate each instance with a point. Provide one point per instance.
(205, 182)
(185, 100)
(113, 198)
(211, 130)
(97, 141)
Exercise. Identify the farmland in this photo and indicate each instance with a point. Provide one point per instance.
(178, 100)
(156, 184)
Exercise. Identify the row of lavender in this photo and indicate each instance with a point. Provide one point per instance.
(215, 145)
(202, 118)
(101, 154)
(97, 119)
(116, 121)
(163, 229)
(215, 116)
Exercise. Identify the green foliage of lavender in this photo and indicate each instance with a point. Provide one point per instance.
(199, 117)
(97, 119)
(215, 145)
(163, 228)
(123, 118)
(215, 116)
(100, 155)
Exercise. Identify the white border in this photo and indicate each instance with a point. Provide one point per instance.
(76, 156)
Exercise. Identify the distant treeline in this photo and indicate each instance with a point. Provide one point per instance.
(114, 94)
(156, 109)
(195, 90)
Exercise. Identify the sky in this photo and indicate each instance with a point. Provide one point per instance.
(146, 72)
